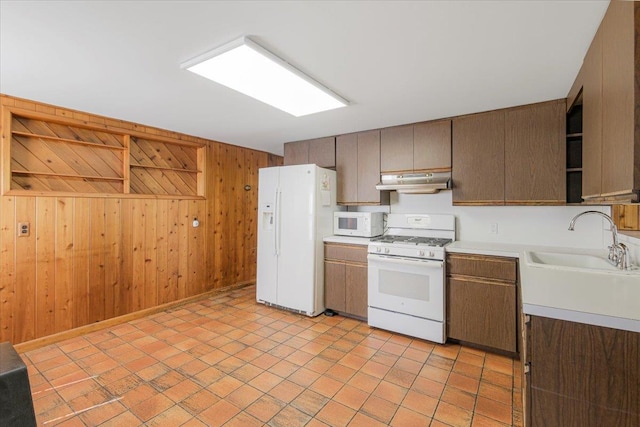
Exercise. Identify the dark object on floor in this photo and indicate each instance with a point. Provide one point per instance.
(16, 404)
(329, 312)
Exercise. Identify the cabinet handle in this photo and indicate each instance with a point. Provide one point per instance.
(527, 368)
(527, 319)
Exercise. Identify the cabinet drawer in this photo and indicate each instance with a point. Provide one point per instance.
(348, 253)
(490, 267)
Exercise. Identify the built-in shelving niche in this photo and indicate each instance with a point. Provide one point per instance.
(51, 154)
(574, 153)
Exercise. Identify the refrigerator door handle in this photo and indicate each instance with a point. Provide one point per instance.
(276, 214)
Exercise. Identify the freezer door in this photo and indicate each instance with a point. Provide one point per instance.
(267, 273)
(297, 238)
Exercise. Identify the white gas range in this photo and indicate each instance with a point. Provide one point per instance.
(407, 275)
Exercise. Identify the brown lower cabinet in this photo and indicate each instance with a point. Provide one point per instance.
(345, 279)
(481, 301)
(581, 375)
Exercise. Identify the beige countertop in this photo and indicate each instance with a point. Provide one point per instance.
(486, 248)
(598, 297)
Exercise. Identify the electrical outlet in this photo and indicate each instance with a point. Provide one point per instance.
(493, 229)
(23, 229)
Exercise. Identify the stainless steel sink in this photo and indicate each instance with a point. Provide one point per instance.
(559, 259)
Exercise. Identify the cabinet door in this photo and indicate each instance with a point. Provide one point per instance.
(356, 290)
(396, 149)
(432, 146)
(618, 102)
(478, 159)
(525, 360)
(535, 153)
(482, 312)
(334, 285)
(322, 152)
(583, 375)
(368, 167)
(347, 168)
(592, 120)
(296, 153)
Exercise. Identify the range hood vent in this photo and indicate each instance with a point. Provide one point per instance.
(416, 183)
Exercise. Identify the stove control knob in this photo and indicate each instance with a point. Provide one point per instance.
(386, 250)
(420, 252)
(431, 254)
(378, 249)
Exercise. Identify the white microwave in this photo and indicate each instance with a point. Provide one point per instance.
(360, 224)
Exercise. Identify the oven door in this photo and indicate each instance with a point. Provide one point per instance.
(407, 285)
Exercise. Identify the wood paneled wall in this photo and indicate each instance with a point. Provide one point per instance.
(626, 217)
(88, 259)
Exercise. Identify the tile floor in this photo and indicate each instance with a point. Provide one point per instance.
(226, 360)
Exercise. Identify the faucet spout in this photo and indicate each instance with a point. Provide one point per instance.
(614, 229)
(618, 252)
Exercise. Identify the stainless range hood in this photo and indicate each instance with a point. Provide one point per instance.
(416, 183)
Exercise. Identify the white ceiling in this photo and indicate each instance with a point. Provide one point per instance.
(395, 61)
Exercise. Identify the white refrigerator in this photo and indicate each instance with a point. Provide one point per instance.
(295, 212)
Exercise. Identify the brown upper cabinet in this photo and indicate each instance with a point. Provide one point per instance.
(611, 124)
(432, 146)
(620, 138)
(478, 159)
(358, 169)
(396, 149)
(514, 156)
(591, 74)
(416, 148)
(535, 153)
(321, 151)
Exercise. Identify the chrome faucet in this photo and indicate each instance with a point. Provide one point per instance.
(618, 252)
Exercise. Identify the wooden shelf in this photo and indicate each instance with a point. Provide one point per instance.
(31, 193)
(65, 175)
(59, 154)
(68, 141)
(164, 168)
(574, 156)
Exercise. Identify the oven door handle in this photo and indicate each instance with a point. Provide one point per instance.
(405, 261)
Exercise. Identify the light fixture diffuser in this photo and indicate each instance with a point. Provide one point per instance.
(246, 67)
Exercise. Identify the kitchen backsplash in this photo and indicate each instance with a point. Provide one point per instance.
(534, 225)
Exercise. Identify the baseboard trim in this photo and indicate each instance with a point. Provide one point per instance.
(82, 330)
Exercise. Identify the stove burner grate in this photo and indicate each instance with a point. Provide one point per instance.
(413, 240)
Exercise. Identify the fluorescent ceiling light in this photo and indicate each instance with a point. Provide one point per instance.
(244, 66)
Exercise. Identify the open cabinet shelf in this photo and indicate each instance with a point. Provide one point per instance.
(574, 153)
(48, 154)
